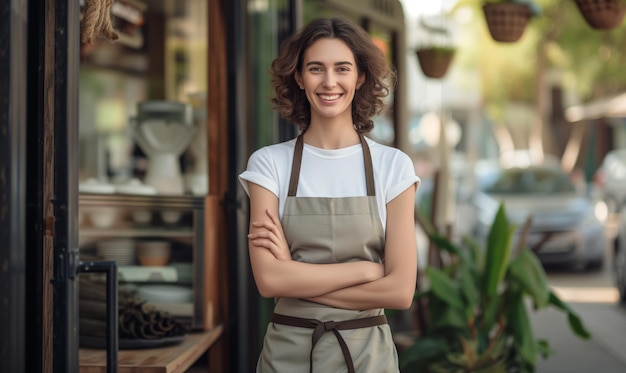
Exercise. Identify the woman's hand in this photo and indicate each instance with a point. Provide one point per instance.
(375, 271)
(269, 235)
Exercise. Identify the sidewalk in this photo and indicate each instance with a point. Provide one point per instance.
(605, 352)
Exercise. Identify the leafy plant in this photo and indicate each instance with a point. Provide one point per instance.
(534, 7)
(440, 50)
(437, 33)
(477, 307)
(436, 52)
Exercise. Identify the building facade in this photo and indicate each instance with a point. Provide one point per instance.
(67, 109)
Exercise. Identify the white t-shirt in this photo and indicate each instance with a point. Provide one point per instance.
(331, 173)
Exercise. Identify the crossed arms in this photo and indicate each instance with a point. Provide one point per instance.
(355, 285)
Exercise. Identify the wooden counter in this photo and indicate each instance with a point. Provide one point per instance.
(171, 359)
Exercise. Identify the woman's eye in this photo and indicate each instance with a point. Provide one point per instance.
(343, 69)
(315, 69)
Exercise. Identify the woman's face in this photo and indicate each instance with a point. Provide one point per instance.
(330, 78)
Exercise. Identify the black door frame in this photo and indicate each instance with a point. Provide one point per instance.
(66, 67)
(13, 57)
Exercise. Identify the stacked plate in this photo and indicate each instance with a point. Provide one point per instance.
(135, 186)
(165, 294)
(121, 251)
(184, 271)
(94, 186)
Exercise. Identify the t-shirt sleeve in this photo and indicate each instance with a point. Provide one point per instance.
(401, 176)
(261, 171)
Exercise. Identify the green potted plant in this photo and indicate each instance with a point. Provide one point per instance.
(436, 54)
(477, 307)
(602, 14)
(435, 60)
(507, 19)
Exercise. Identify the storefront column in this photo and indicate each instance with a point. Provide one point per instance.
(13, 31)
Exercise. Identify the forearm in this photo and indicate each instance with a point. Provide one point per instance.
(392, 291)
(276, 275)
(293, 279)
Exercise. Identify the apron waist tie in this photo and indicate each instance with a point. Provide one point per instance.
(320, 328)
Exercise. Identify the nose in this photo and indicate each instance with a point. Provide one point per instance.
(329, 80)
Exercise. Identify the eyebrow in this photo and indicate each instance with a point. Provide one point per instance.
(336, 63)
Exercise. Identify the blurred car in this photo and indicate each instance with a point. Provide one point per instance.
(611, 178)
(564, 230)
(619, 256)
(462, 185)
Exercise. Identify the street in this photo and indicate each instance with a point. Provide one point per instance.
(593, 295)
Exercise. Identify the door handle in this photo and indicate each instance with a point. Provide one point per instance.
(112, 337)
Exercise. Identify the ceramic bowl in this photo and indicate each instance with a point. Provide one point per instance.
(153, 261)
(103, 217)
(171, 216)
(142, 216)
(153, 253)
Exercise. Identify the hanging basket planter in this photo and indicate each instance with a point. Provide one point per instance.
(506, 21)
(435, 61)
(602, 14)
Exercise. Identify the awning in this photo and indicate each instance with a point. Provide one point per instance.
(610, 107)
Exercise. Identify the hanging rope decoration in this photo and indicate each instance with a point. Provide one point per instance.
(96, 21)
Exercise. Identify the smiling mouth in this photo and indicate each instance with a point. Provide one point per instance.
(329, 97)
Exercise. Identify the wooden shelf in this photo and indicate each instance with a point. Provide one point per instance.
(171, 359)
(117, 232)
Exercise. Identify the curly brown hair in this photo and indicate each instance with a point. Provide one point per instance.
(291, 102)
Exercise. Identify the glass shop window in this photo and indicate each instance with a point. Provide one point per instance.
(143, 99)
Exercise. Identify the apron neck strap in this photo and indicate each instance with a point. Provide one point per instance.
(297, 161)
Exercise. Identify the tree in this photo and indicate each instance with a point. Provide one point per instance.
(558, 49)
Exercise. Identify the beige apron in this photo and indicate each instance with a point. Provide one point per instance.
(310, 337)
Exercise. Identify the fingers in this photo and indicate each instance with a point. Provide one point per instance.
(269, 226)
(269, 245)
(270, 235)
(275, 249)
(273, 218)
(273, 224)
(265, 237)
(263, 234)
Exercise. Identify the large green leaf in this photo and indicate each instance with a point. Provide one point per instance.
(543, 348)
(477, 254)
(443, 317)
(444, 287)
(498, 252)
(492, 309)
(519, 324)
(469, 287)
(445, 244)
(575, 322)
(421, 352)
(526, 269)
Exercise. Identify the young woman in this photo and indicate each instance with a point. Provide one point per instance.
(332, 233)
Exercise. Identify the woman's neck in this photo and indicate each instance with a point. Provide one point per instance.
(335, 133)
(331, 137)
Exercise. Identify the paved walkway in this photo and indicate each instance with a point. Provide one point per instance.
(604, 353)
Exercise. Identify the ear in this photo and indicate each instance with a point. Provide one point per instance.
(299, 81)
(360, 81)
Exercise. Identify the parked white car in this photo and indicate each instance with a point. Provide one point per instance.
(611, 179)
(564, 230)
(619, 256)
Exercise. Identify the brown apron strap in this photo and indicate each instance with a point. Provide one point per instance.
(319, 328)
(297, 161)
(295, 167)
(369, 170)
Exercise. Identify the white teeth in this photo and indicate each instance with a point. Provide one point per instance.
(330, 98)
